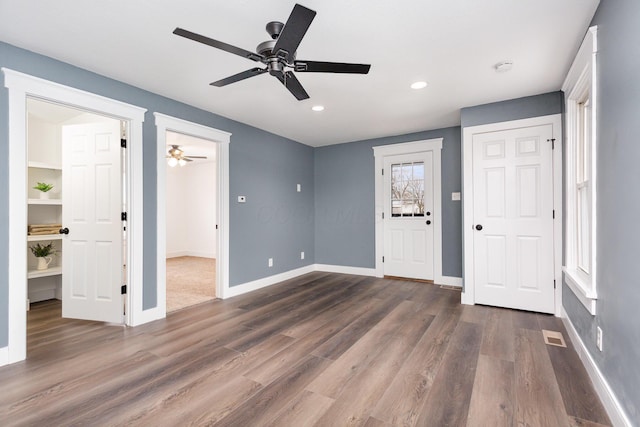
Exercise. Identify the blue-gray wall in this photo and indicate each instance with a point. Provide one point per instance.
(513, 109)
(618, 206)
(275, 222)
(345, 201)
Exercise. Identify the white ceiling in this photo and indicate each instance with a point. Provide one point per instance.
(453, 45)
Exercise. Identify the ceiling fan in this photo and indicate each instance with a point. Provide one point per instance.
(176, 156)
(279, 54)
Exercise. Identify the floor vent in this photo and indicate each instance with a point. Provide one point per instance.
(553, 338)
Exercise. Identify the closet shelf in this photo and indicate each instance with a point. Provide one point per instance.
(40, 238)
(42, 165)
(51, 271)
(52, 202)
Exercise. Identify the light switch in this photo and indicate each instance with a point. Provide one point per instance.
(299, 187)
(455, 196)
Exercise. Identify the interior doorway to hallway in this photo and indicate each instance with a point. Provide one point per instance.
(191, 220)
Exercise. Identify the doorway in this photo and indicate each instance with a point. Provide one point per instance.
(512, 215)
(20, 87)
(191, 209)
(76, 156)
(408, 205)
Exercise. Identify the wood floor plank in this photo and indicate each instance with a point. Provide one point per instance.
(498, 339)
(373, 346)
(448, 401)
(538, 398)
(357, 358)
(492, 401)
(406, 394)
(358, 397)
(304, 410)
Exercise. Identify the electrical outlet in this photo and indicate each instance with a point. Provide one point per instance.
(301, 255)
(599, 338)
(270, 262)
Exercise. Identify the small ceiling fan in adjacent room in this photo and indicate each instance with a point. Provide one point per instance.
(279, 54)
(176, 157)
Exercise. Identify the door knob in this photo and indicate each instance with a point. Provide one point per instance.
(64, 230)
(428, 222)
(478, 227)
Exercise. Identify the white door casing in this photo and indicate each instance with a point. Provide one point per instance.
(513, 203)
(91, 207)
(433, 146)
(408, 230)
(20, 86)
(222, 140)
(511, 223)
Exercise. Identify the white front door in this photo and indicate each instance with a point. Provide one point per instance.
(91, 208)
(513, 218)
(408, 216)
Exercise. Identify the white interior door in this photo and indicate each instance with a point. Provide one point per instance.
(91, 203)
(408, 216)
(513, 218)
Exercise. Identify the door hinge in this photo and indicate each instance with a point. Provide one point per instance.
(123, 216)
(123, 289)
(216, 226)
(554, 214)
(382, 259)
(123, 143)
(382, 215)
(553, 143)
(554, 284)
(382, 171)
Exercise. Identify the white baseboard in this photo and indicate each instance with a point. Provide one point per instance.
(4, 356)
(604, 391)
(42, 295)
(191, 253)
(233, 291)
(450, 281)
(359, 271)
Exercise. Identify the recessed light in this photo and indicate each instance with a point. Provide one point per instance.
(317, 108)
(419, 85)
(503, 67)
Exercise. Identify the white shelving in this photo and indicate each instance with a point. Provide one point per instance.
(51, 202)
(42, 165)
(51, 271)
(43, 237)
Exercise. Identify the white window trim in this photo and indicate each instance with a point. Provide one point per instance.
(380, 152)
(582, 75)
(21, 86)
(222, 140)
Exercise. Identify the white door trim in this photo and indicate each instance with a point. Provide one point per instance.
(20, 86)
(555, 120)
(380, 152)
(222, 140)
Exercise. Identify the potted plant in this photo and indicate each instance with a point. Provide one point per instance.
(44, 189)
(44, 254)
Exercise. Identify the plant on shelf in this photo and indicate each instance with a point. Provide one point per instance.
(43, 254)
(41, 251)
(43, 186)
(44, 189)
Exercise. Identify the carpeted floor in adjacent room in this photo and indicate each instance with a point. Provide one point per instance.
(190, 280)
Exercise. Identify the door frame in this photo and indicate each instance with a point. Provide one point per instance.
(555, 120)
(20, 87)
(380, 152)
(222, 139)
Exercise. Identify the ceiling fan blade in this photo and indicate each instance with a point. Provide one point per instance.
(218, 44)
(290, 81)
(294, 30)
(330, 67)
(195, 157)
(240, 76)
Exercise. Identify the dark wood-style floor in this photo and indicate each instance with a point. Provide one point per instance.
(322, 349)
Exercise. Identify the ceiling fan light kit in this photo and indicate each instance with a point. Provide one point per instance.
(177, 157)
(279, 54)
